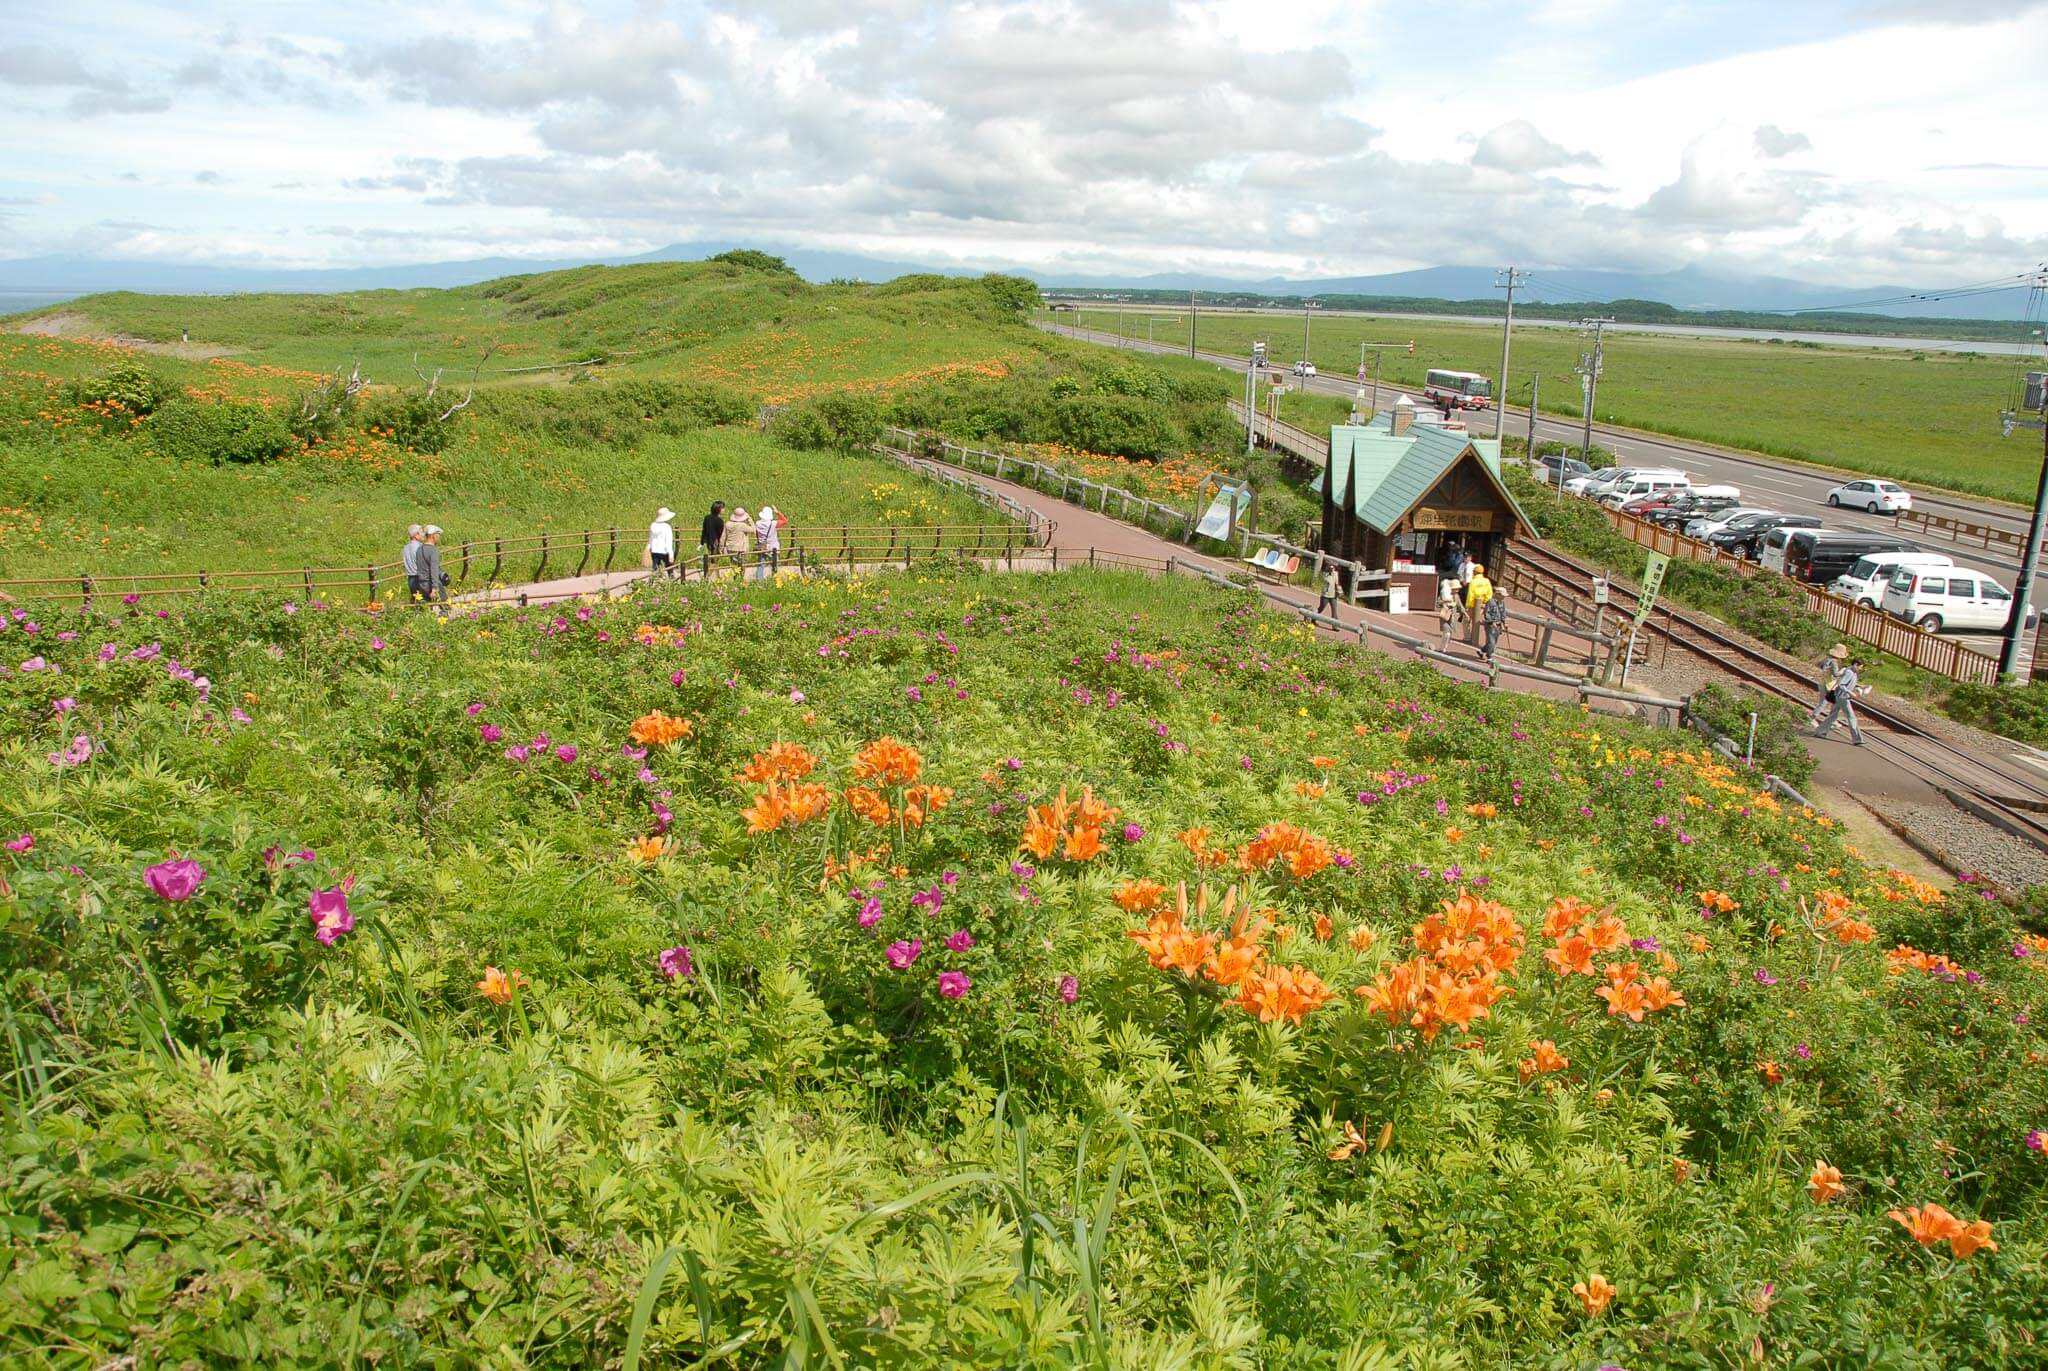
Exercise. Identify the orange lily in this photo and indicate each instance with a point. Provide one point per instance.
(1595, 1294)
(1825, 1183)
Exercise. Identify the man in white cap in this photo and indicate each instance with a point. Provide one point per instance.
(661, 541)
(433, 582)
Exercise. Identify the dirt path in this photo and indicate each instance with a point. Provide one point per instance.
(72, 324)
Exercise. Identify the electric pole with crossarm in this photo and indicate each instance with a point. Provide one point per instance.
(1589, 369)
(1504, 280)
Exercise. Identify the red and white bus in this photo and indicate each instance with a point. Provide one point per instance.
(1451, 390)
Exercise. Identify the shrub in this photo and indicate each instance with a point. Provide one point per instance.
(841, 419)
(1779, 724)
(1012, 294)
(128, 386)
(2014, 711)
(1117, 424)
(196, 430)
(753, 260)
(318, 413)
(411, 418)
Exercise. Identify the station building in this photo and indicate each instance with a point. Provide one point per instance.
(1398, 492)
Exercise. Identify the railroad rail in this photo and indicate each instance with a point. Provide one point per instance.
(2004, 794)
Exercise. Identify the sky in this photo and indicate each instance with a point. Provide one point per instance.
(1843, 142)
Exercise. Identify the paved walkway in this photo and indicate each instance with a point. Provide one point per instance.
(1863, 770)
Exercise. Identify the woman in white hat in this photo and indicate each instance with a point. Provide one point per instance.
(1830, 669)
(738, 539)
(768, 539)
(661, 541)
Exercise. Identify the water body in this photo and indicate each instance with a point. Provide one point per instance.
(19, 301)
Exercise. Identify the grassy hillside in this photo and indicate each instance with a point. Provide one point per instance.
(1929, 417)
(781, 974)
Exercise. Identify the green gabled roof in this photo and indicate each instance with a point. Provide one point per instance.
(1388, 475)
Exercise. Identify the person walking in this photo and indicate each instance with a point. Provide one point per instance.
(1847, 686)
(661, 541)
(1327, 603)
(1830, 668)
(712, 536)
(768, 539)
(1478, 590)
(739, 537)
(433, 580)
(411, 558)
(1495, 620)
(1447, 611)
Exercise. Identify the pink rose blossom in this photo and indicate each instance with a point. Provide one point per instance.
(1070, 989)
(959, 940)
(676, 963)
(328, 909)
(176, 880)
(901, 954)
(953, 984)
(24, 844)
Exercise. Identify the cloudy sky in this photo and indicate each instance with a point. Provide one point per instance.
(1841, 141)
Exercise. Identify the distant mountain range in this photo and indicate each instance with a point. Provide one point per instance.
(1691, 288)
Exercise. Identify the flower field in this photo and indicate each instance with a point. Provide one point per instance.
(1063, 970)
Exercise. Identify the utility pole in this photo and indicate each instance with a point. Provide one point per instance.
(1306, 306)
(1191, 323)
(1589, 383)
(1504, 280)
(1535, 388)
(2034, 401)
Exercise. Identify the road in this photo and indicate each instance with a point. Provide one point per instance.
(1764, 481)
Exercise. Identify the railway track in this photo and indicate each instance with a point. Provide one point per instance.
(2007, 788)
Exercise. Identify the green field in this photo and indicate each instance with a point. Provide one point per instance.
(1928, 417)
(410, 992)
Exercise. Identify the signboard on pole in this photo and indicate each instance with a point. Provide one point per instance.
(1600, 590)
(1653, 581)
(1220, 519)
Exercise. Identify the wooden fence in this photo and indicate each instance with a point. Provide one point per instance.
(1957, 531)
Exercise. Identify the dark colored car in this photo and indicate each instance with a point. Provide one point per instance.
(1548, 469)
(1746, 535)
(1675, 513)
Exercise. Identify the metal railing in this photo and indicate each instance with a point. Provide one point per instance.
(1277, 433)
(525, 558)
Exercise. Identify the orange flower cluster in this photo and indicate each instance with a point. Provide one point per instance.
(658, 729)
(888, 762)
(1268, 991)
(1825, 1182)
(1595, 1294)
(1903, 958)
(1719, 902)
(1832, 918)
(1071, 828)
(780, 805)
(1355, 1141)
(659, 635)
(781, 762)
(1139, 896)
(1910, 886)
(1454, 978)
(1930, 1225)
(1626, 995)
(919, 802)
(499, 986)
(1543, 1059)
(1304, 853)
(646, 850)
(1578, 932)
(1196, 841)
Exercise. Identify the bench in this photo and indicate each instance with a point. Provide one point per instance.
(1272, 562)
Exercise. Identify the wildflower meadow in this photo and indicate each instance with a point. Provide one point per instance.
(1067, 970)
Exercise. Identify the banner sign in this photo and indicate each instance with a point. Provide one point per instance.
(1653, 581)
(1216, 523)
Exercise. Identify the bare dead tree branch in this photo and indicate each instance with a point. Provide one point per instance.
(313, 404)
(464, 402)
(432, 384)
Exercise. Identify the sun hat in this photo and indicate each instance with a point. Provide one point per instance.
(1840, 652)
(767, 513)
(415, 531)
(433, 529)
(664, 515)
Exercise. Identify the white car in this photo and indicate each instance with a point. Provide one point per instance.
(1305, 369)
(1950, 599)
(1865, 582)
(1579, 485)
(1877, 497)
(1714, 523)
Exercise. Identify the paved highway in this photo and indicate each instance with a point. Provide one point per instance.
(1763, 481)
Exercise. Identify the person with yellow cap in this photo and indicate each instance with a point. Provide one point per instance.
(1478, 591)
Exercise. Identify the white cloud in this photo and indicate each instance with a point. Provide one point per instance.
(1128, 134)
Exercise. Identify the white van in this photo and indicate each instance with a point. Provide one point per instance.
(1949, 599)
(1866, 581)
(1641, 484)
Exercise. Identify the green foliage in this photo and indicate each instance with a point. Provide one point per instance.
(230, 1143)
(753, 260)
(412, 418)
(217, 432)
(130, 387)
(1779, 725)
(320, 412)
(2012, 711)
(844, 421)
(1115, 424)
(1016, 294)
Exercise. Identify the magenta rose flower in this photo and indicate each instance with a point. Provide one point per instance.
(676, 963)
(953, 984)
(176, 880)
(959, 941)
(328, 909)
(902, 953)
(1070, 989)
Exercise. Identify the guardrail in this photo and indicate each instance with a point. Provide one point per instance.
(1959, 531)
(1276, 433)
